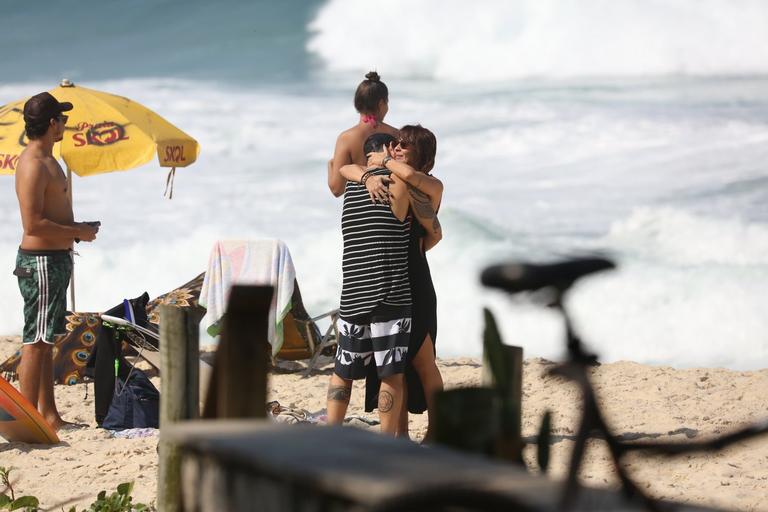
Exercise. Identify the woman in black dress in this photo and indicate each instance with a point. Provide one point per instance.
(411, 159)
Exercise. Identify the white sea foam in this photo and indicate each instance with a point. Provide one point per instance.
(688, 292)
(499, 40)
(676, 237)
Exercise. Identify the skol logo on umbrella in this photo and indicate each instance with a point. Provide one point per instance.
(8, 161)
(100, 134)
(8, 116)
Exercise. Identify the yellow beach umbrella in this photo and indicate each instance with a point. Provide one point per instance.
(104, 133)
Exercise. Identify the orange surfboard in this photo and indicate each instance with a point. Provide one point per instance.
(21, 422)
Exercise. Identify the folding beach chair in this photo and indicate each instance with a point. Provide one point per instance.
(146, 343)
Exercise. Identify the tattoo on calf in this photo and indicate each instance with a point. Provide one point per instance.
(339, 393)
(386, 401)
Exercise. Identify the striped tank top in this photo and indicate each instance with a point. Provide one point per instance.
(375, 261)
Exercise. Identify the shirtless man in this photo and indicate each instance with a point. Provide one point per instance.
(44, 261)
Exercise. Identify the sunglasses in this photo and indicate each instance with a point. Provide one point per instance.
(62, 118)
(403, 144)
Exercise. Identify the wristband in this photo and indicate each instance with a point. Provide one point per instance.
(364, 177)
(385, 160)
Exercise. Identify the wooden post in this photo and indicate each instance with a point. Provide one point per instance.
(238, 387)
(467, 419)
(179, 397)
(510, 444)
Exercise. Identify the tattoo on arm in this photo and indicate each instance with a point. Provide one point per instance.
(435, 225)
(422, 206)
(386, 401)
(339, 393)
(421, 203)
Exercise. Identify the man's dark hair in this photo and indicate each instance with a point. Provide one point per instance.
(374, 142)
(422, 144)
(38, 112)
(369, 93)
(37, 130)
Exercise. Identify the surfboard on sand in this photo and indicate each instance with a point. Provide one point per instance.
(19, 421)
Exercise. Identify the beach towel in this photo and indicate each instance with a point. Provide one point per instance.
(135, 433)
(253, 262)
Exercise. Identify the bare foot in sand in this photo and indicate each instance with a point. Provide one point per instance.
(58, 424)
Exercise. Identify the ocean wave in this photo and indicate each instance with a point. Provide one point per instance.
(501, 40)
(687, 316)
(683, 238)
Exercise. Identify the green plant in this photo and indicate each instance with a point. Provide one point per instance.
(119, 501)
(494, 350)
(505, 363)
(10, 501)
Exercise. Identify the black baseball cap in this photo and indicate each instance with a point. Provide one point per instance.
(41, 108)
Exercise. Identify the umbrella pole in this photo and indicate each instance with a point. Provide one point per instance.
(72, 277)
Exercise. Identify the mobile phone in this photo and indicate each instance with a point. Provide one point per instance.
(22, 272)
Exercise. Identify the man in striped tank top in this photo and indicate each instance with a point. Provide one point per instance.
(375, 315)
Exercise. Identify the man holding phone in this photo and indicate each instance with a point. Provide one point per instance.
(44, 260)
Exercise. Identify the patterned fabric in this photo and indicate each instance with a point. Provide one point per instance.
(43, 279)
(71, 352)
(383, 343)
(185, 296)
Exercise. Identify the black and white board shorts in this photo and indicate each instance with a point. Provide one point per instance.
(380, 338)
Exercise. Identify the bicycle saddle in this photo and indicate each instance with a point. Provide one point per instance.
(521, 277)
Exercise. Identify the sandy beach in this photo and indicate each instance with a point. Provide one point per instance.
(638, 399)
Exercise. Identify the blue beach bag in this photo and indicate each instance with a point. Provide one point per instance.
(135, 403)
